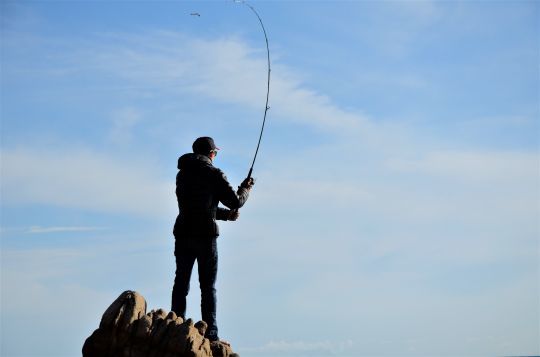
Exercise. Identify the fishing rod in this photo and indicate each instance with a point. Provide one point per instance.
(266, 107)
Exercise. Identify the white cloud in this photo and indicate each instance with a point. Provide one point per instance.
(39, 230)
(39, 283)
(459, 208)
(301, 348)
(385, 171)
(225, 69)
(84, 179)
(124, 121)
(475, 167)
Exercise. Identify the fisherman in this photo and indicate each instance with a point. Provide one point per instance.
(199, 188)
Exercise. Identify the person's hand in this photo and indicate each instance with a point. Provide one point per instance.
(248, 183)
(233, 215)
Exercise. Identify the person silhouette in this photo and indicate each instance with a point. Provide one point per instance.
(200, 187)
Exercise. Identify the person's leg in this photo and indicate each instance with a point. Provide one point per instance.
(185, 258)
(207, 262)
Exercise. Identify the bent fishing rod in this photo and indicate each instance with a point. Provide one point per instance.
(266, 107)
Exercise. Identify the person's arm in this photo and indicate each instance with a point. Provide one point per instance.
(227, 195)
(222, 214)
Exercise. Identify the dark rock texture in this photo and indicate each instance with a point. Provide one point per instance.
(126, 330)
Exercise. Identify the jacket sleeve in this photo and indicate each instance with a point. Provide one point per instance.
(228, 196)
(222, 214)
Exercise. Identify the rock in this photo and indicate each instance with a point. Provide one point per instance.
(116, 325)
(143, 327)
(98, 344)
(126, 330)
(221, 349)
(201, 326)
(160, 314)
(128, 307)
(171, 316)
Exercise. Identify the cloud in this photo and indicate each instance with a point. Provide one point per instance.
(38, 283)
(383, 170)
(302, 348)
(124, 121)
(84, 179)
(455, 209)
(219, 61)
(40, 230)
(471, 166)
(224, 69)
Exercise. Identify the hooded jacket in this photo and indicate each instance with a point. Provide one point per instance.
(199, 188)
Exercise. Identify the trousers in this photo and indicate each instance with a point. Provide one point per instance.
(189, 249)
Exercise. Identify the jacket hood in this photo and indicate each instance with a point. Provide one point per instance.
(191, 160)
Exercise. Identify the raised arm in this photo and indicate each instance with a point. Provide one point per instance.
(227, 195)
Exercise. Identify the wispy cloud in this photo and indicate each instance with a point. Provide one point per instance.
(124, 121)
(365, 150)
(84, 179)
(224, 69)
(301, 348)
(475, 166)
(39, 229)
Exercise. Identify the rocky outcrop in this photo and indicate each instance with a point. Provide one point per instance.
(126, 330)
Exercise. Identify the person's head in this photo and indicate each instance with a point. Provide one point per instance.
(205, 146)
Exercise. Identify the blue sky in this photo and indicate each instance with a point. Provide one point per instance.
(398, 194)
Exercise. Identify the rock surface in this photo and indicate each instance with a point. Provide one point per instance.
(126, 330)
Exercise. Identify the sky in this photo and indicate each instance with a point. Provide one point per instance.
(397, 203)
